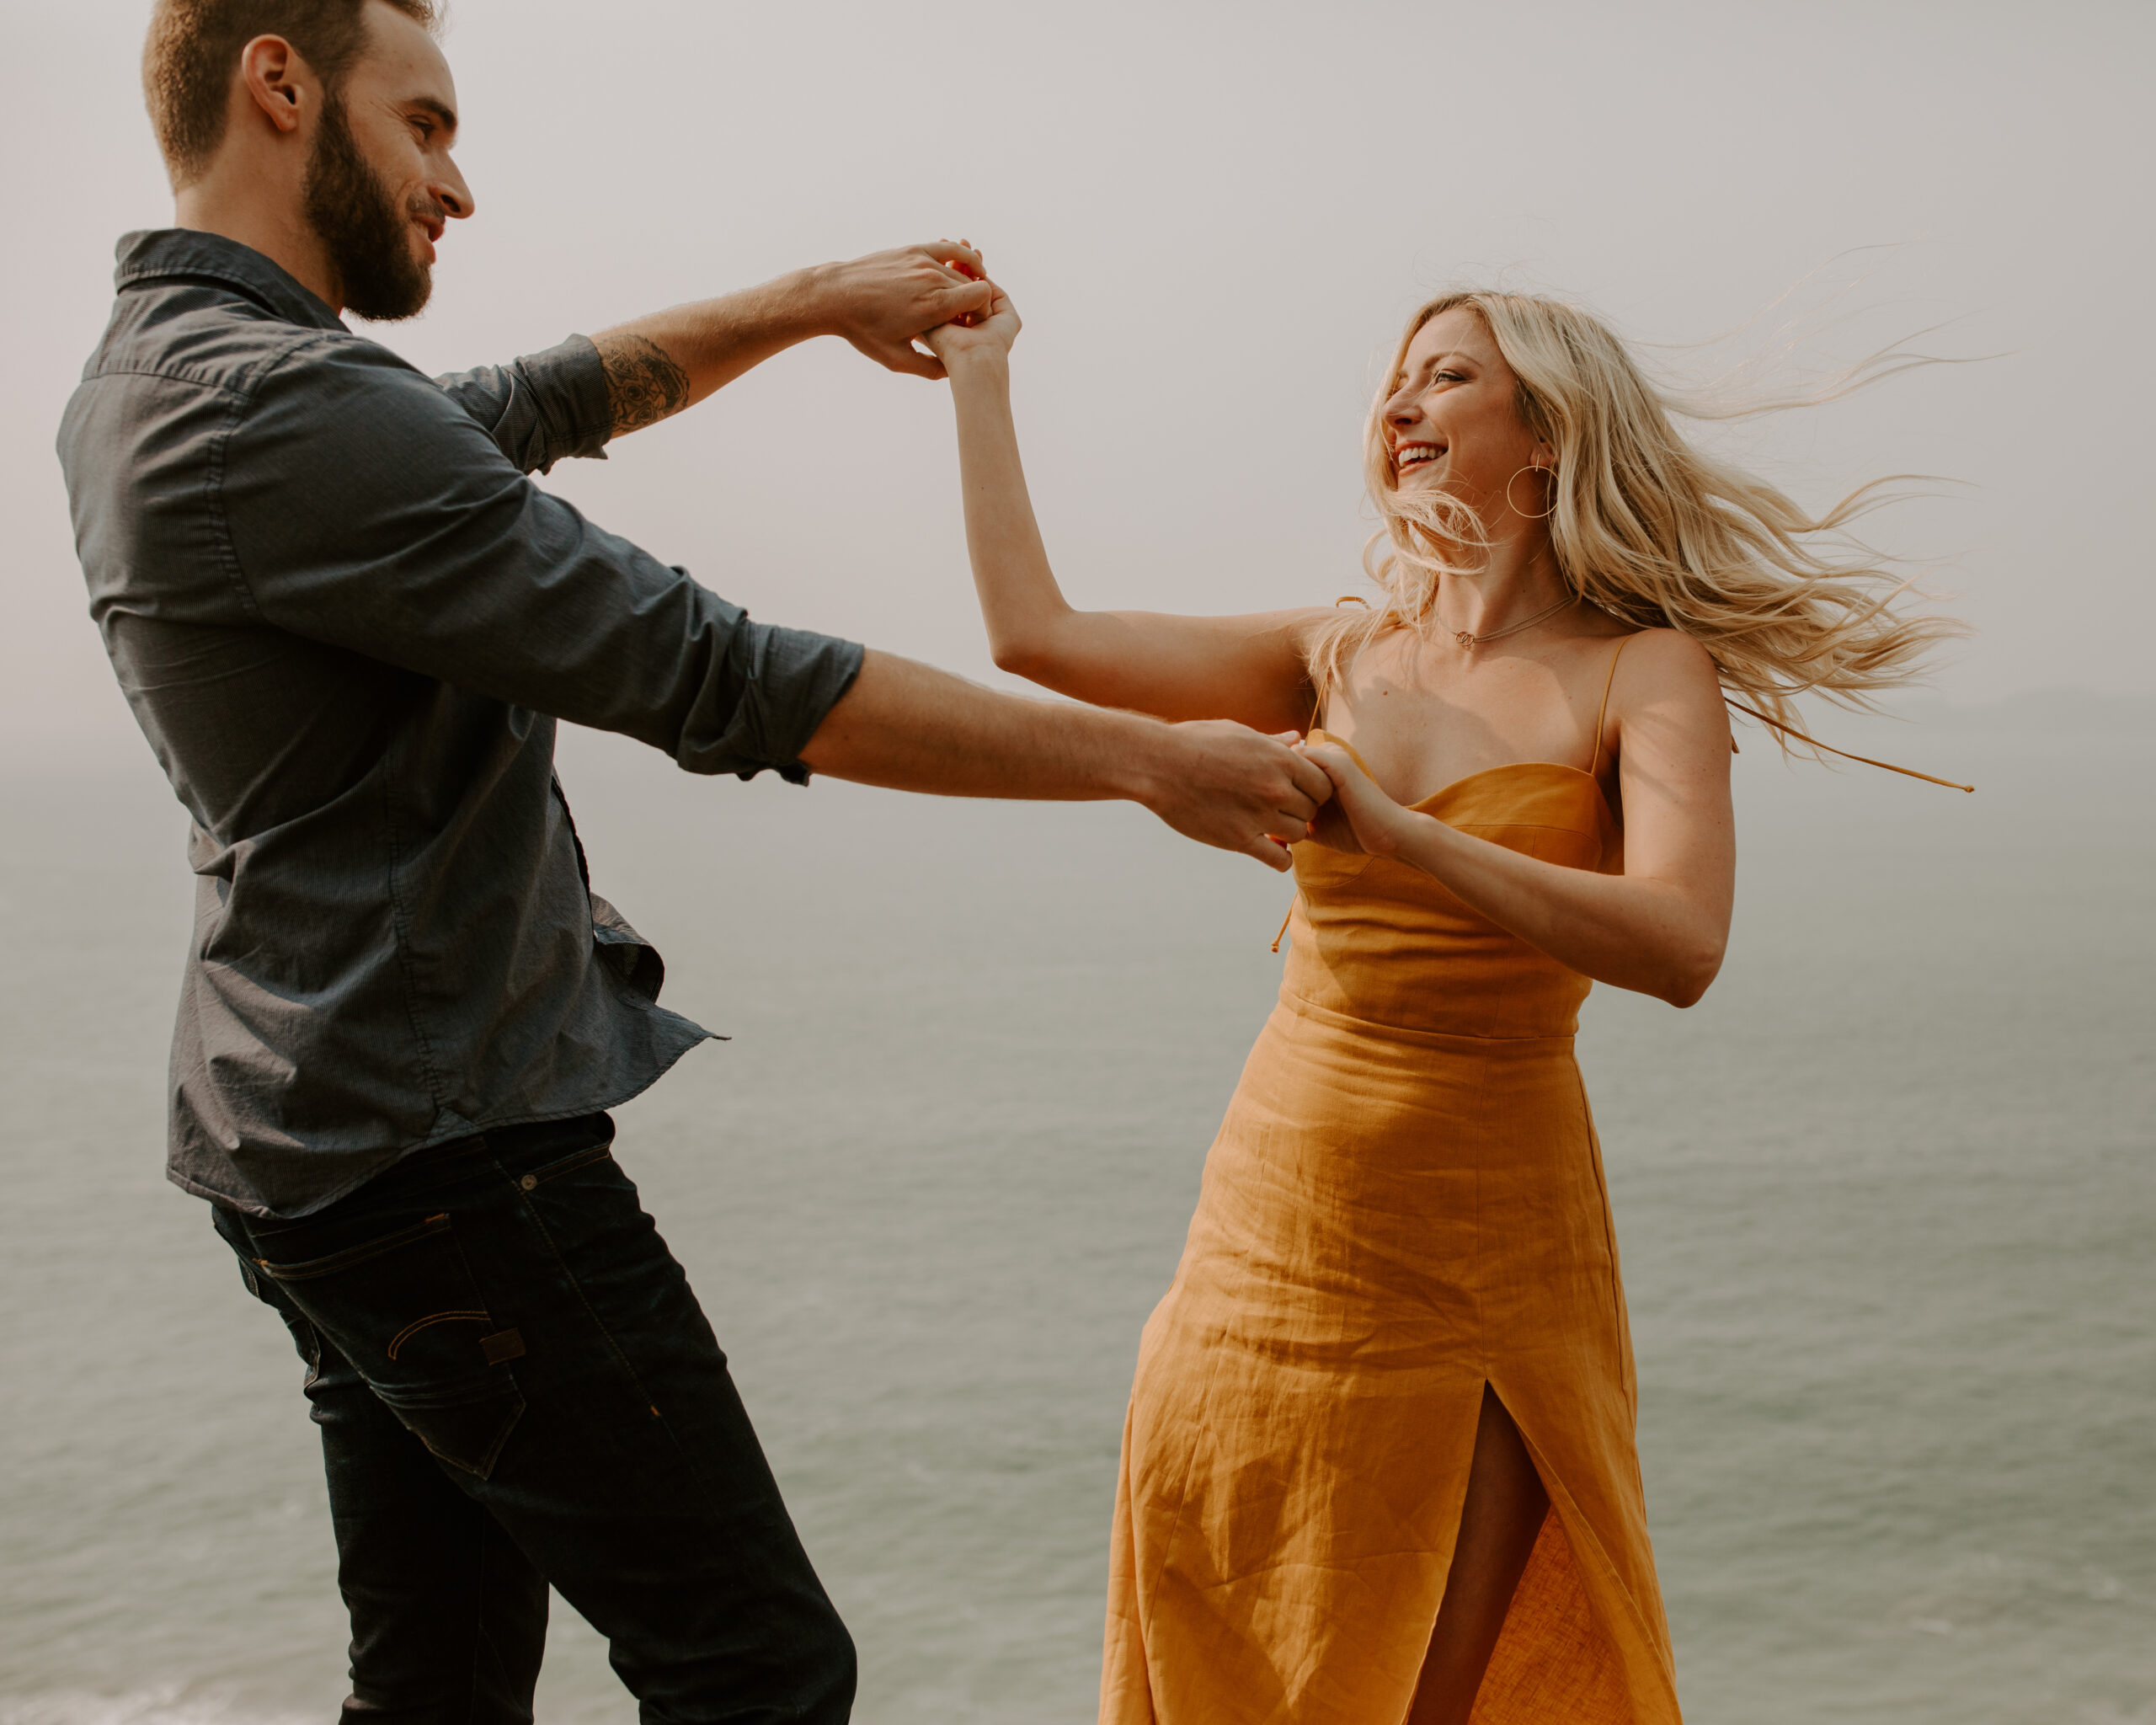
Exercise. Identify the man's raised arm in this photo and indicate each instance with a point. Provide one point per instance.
(658, 365)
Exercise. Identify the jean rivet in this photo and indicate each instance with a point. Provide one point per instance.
(528, 1181)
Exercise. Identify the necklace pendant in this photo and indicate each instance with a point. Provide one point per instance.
(1464, 636)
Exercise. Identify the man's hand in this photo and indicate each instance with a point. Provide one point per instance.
(882, 302)
(1238, 789)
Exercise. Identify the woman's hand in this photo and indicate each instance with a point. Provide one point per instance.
(991, 331)
(1360, 817)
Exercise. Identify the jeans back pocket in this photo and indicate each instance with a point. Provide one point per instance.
(402, 1306)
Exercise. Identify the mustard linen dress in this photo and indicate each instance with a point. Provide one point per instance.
(1406, 1202)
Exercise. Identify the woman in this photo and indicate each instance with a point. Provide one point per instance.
(1379, 1463)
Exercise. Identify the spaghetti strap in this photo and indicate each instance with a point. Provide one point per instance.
(1601, 712)
(1323, 684)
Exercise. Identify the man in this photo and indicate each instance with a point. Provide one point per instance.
(348, 621)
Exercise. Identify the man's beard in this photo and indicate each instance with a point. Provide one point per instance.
(356, 216)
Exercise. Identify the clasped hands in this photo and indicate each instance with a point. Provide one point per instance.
(882, 303)
(1228, 772)
(1354, 814)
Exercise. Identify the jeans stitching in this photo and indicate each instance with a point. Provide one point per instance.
(568, 1165)
(411, 1330)
(310, 1268)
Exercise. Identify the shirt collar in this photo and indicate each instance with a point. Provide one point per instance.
(183, 253)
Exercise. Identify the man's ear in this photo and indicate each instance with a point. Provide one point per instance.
(274, 75)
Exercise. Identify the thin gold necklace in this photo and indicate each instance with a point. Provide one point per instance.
(1468, 638)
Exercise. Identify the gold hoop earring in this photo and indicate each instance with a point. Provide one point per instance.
(1532, 467)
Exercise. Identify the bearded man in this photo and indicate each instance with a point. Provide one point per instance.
(348, 623)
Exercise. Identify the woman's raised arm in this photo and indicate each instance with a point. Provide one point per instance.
(1249, 668)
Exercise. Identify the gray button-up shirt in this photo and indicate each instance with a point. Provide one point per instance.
(347, 622)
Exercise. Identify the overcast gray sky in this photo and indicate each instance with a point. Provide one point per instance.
(1214, 218)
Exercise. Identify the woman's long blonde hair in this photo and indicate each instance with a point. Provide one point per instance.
(1651, 530)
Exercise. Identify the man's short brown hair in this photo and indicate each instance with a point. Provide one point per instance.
(193, 49)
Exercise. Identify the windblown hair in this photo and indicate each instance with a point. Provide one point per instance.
(1650, 529)
(193, 49)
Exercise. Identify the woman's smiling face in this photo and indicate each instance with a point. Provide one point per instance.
(1453, 423)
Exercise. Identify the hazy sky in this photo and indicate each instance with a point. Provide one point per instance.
(1214, 218)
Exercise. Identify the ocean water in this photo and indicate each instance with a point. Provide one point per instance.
(1887, 1201)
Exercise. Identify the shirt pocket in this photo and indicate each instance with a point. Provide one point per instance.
(403, 1307)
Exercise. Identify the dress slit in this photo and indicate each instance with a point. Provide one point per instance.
(1486, 1393)
(1556, 1657)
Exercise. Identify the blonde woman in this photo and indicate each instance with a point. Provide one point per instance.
(1379, 1463)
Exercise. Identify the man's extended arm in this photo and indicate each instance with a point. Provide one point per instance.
(657, 365)
(911, 727)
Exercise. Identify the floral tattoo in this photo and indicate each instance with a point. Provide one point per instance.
(643, 383)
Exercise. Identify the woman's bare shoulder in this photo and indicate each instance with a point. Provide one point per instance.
(1666, 661)
(1666, 696)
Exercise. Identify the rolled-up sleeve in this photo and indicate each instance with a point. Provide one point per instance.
(427, 547)
(545, 407)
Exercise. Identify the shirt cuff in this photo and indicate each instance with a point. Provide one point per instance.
(789, 680)
(570, 380)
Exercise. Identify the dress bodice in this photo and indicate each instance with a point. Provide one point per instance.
(1382, 941)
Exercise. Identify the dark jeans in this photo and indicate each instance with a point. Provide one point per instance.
(515, 1387)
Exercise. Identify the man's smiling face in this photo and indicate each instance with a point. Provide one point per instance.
(382, 186)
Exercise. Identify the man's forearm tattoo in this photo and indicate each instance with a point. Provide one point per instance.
(643, 384)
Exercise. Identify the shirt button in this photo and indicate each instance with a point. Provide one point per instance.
(528, 1181)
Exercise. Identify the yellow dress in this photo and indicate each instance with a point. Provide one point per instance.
(1406, 1202)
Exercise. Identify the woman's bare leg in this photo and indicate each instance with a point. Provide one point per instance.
(1497, 1528)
